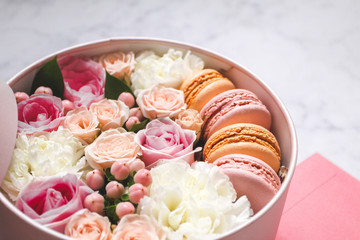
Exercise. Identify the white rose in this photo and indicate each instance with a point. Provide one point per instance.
(44, 155)
(169, 70)
(196, 202)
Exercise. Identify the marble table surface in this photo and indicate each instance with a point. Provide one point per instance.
(307, 51)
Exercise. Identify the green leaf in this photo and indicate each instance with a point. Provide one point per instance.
(111, 213)
(114, 87)
(125, 197)
(108, 175)
(50, 76)
(138, 126)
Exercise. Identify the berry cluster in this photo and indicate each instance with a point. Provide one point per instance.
(119, 189)
(136, 115)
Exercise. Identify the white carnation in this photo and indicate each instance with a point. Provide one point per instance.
(194, 202)
(169, 70)
(45, 155)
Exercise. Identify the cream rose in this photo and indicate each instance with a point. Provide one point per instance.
(45, 155)
(83, 124)
(190, 119)
(197, 202)
(118, 64)
(88, 225)
(171, 69)
(135, 226)
(110, 113)
(160, 102)
(112, 145)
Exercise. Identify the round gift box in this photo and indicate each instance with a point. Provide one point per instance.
(263, 225)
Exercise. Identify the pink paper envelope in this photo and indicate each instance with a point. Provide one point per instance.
(323, 202)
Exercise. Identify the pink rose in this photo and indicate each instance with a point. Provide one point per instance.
(52, 200)
(111, 146)
(110, 113)
(118, 64)
(164, 139)
(88, 225)
(160, 101)
(133, 226)
(190, 119)
(84, 80)
(40, 112)
(83, 124)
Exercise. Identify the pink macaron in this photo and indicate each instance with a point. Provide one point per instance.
(251, 177)
(234, 106)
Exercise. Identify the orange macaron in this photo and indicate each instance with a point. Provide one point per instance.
(200, 88)
(244, 138)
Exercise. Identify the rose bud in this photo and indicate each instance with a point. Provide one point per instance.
(127, 98)
(114, 190)
(124, 208)
(136, 165)
(95, 179)
(137, 192)
(21, 96)
(43, 90)
(131, 121)
(136, 112)
(143, 177)
(94, 202)
(120, 170)
(68, 106)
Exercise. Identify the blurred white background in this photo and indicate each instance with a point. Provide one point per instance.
(307, 51)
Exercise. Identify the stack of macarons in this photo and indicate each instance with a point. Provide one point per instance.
(237, 135)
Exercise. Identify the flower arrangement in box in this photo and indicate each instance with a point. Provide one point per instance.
(111, 147)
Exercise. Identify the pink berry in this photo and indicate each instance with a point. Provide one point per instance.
(127, 98)
(136, 192)
(95, 179)
(120, 170)
(136, 112)
(124, 208)
(21, 96)
(68, 106)
(131, 121)
(136, 165)
(143, 177)
(94, 202)
(43, 90)
(114, 190)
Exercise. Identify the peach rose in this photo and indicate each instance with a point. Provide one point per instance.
(88, 225)
(190, 119)
(112, 145)
(110, 113)
(83, 124)
(118, 64)
(135, 226)
(160, 102)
